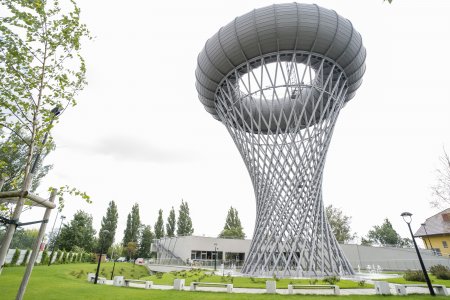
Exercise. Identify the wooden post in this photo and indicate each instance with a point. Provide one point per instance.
(36, 246)
(2, 182)
(12, 227)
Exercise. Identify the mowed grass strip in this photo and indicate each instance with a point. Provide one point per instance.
(243, 282)
(61, 282)
(434, 280)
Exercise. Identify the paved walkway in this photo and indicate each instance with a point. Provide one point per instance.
(370, 291)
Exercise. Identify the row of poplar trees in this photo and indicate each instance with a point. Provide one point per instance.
(79, 233)
(138, 237)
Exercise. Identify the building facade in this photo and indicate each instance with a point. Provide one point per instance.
(435, 233)
(200, 251)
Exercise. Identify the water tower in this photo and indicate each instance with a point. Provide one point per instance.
(277, 78)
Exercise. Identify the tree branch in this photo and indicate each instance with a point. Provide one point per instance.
(15, 132)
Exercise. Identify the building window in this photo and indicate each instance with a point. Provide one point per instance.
(205, 255)
(444, 244)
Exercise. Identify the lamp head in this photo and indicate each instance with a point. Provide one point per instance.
(406, 217)
(56, 111)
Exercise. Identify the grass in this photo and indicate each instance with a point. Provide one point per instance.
(61, 282)
(241, 282)
(433, 279)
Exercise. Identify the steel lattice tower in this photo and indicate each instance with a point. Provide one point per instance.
(280, 106)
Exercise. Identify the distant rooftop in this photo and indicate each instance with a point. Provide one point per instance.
(435, 225)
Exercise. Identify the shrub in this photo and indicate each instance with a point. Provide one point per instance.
(440, 271)
(25, 258)
(414, 276)
(58, 256)
(15, 257)
(362, 283)
(312, 281)
(44, 258)
(86, 257)
(331, 279)
(443, 275)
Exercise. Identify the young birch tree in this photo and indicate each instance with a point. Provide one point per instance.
(41, 71)
(441, 189)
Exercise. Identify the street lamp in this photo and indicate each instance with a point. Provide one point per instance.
(429, 241)
(215, 256)
(407, 218)
(55, 243)
(114, 265)
(102, 243)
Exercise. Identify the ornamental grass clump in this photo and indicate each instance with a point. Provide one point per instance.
(440, 271)
(411, 275)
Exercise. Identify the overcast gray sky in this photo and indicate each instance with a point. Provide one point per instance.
(139, 133)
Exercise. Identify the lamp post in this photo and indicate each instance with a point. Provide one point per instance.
(215, 256)
(407, 218)
(54, 223)
(114, 264)
(102, 243)
(429, 241)
(55, 243)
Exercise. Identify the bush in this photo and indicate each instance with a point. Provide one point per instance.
(332, 279)
(440, 271)
(44, 258)
(25, 258)
(15, 257)
(443, 275)
(58, 256)
(414, 276)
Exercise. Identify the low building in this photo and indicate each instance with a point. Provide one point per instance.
(200, 251)
(435, 233)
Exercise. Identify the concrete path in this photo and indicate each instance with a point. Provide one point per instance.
(371, 291)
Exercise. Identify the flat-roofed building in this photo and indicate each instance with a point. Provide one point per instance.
(201, 251)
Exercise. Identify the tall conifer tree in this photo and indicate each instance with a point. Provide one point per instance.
(109, 222)
(184, 222)
(233, 227)
(146, 241)
(131, 233)
(171, 222)
(159, 226)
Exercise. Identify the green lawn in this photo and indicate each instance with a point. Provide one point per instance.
(433, 279)
(61, 282)
(242, 282)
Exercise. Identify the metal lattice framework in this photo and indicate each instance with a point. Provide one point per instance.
(277, 78)
(281, 113)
